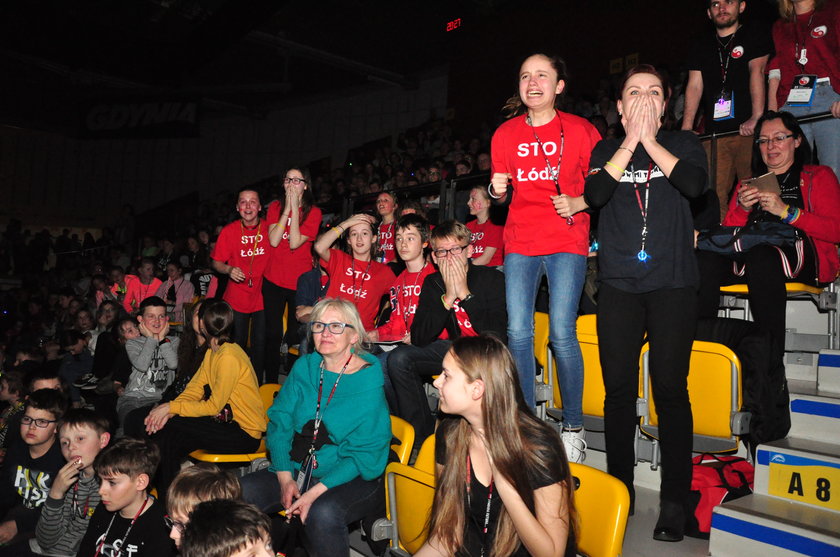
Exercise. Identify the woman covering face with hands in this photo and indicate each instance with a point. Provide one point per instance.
(648, 273)
(293, 224)
(539, 160)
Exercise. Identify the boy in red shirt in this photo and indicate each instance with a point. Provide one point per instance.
(412, 239)
(242, 253)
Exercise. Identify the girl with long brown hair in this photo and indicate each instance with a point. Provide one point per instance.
(292, 226)
(503, 481)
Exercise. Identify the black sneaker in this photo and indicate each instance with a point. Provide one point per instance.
(84, 380)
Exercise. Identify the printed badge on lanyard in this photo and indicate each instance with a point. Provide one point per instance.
(803, 86)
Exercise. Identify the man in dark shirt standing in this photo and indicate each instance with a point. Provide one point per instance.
(726, 71)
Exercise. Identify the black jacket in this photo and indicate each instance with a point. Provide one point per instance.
(486, 308)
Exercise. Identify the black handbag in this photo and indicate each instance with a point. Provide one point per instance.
(729, 240)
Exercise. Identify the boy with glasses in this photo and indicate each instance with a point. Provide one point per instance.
(459, 300)
(29, 469)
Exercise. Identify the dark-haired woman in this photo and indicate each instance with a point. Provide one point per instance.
(648, 272)
(544, 155)
(809, 202)
(220, 410)
(292, 227)
(504, 485)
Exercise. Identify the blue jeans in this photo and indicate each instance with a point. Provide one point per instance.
(566, 273)
(326, 526)
(825, 133)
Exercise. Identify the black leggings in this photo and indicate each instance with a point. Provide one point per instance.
(670, 318)
(275, 300)
(765, 278)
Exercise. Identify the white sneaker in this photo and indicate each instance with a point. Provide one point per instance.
(573, 442)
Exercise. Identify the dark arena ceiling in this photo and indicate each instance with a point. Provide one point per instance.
(236, 56)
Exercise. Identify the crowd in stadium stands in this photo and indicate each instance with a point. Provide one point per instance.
(123, 354)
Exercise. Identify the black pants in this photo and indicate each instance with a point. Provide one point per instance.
(406, 365)
(275, 301)
(181, 436)
(669, 317)
(251, 326)
(765, 277)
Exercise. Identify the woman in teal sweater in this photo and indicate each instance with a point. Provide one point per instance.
(331, 414)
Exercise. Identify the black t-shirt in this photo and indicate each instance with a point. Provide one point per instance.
(25, 483)
(670, 239)
(712, 55)
(476, 501)
(148, 537)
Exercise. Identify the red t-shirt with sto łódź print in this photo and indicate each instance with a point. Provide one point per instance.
(487, 235)
(361, 282)
(285, 265)
(386, 239)
(533, 227)
(246, 248)
(404, 294)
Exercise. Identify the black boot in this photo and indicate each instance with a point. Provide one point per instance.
(671, 524)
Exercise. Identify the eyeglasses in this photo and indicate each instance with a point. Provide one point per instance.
(762, 142)
(39, 422)
(296, 181)
(180, 526)
(454, 251)
(335, 327)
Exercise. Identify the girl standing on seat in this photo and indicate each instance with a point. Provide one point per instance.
(504, 485)
(648, 273)
(544, 155)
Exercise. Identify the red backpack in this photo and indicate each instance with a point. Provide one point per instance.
(715, 480)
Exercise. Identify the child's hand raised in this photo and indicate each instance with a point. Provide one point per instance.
(66, 477)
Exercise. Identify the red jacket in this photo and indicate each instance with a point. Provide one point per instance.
(819, 219)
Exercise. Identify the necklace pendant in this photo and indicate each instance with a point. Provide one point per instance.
(250, 283)
(642, 255)
(570, 220)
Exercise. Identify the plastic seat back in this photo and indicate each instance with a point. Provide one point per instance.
(409, 493)
(714, 388)
(602, 504)
(403, 432)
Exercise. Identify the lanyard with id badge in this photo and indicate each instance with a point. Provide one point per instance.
(803, 86)
(724, 108)
(310, 462)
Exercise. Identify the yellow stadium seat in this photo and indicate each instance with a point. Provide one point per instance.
(404, 433)
(602, 504)
(267, 394)
(409, 493)
(790, 287)
(714, 388)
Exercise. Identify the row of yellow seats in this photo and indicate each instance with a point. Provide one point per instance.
(714, 379)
